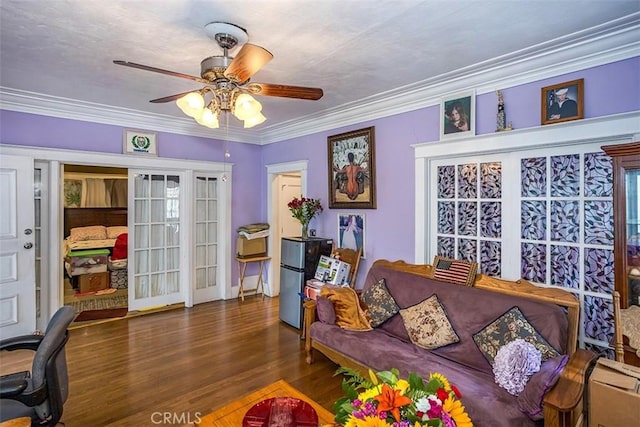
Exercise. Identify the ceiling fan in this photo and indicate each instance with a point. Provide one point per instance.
(227, 81)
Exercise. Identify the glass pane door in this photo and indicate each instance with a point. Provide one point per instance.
(154, 240)
(206, 239)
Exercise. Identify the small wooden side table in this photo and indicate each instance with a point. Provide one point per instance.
(242, 268)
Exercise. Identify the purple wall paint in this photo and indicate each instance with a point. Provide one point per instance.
(609, 89)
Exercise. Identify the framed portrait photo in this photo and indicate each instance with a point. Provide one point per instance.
(458, 115)
(562, 102)
(352, 173)
(351, 231)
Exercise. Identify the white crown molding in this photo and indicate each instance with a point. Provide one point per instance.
(613, 41)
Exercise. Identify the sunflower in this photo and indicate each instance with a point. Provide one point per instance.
(456, 410)
(442, 379)
(370, 421)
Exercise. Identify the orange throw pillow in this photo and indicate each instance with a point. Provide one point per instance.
(346, 304)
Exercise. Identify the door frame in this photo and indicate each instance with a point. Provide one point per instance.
(273, 269)
(58, 157)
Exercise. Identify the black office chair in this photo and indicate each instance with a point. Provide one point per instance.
(41, 393)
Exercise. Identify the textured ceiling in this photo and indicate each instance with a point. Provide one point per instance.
(353, 49)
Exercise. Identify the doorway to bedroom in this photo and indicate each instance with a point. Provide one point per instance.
(95, 241)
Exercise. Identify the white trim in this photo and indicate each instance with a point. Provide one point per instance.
(273, 171)
(603, 44)
(611, 129)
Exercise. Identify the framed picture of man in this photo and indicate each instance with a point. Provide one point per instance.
(351, 231)
(458, 115)
(562, 102)
(352, 174)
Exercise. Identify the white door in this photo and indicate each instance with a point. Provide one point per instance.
(17, 247)
(290, 187)
(206, 230)
(154, 239)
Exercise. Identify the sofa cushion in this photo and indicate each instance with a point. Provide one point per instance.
(530, 400)
(346, 305)
(325, 311)
(454, 271)
(514, 364)
(380, 304)
(509, 327)
(428, 325)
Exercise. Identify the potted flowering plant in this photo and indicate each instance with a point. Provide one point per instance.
(304, 209)
(386, 400)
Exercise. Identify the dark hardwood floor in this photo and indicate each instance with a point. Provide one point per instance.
(185, 362)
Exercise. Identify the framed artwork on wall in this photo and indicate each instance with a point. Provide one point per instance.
(139, 142)
(352, 174)
(458, 115)
(351, 231)
(562, 102)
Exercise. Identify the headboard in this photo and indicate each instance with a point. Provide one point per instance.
(83, 217)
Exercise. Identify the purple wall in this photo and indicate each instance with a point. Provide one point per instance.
(390, 230)
(609, 89)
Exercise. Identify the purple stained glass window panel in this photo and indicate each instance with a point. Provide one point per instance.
(446, 217)
(491, 258)
(533, 219)
(467, 218)
(565, 221)
(446, 182)
(598, 222)
(533, 262)
(446, 247)
(598, 270)
(467, 181)
(565, 176)
(467, 250)
(598, 318)
(565, 266)
(491, 180)
(533, 175)
(490, 219)
(598, 175)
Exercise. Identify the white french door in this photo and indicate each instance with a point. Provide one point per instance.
(154, 239)
(206, 232)
(17, 247)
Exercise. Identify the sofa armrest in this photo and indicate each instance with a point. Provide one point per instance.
(564, 403)
(309, 317)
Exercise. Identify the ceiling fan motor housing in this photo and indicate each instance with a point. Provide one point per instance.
(212, 68)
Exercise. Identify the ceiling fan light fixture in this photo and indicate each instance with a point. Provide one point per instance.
(255, 120)
(246, 106)
(191, 104)
(208, 118)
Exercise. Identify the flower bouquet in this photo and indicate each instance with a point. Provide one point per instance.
(385, 400)
(304, 209)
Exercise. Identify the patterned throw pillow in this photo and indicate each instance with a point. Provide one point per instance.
(380, 304)
(427, 324)
(454, 271)
(509, 327)
(92, 232)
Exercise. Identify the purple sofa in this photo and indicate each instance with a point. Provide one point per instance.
(552, 312)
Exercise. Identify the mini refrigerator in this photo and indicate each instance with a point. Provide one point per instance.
(298, 261)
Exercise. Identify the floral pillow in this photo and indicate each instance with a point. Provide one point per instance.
(509, 327)
(116, 230)
(427, 324)
(92, 232)
(380, 304)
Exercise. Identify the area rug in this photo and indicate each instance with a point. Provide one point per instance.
(118, 300)
(101, 314)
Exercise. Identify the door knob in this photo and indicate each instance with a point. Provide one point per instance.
(28, 231)
(28, 245)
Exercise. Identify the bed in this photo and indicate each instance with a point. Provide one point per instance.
(90, 233)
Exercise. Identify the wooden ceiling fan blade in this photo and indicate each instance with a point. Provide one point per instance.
(285, 91)
(161, 71)
(171, 97)
(247, 62)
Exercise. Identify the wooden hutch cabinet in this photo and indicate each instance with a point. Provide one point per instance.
(626, 247)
